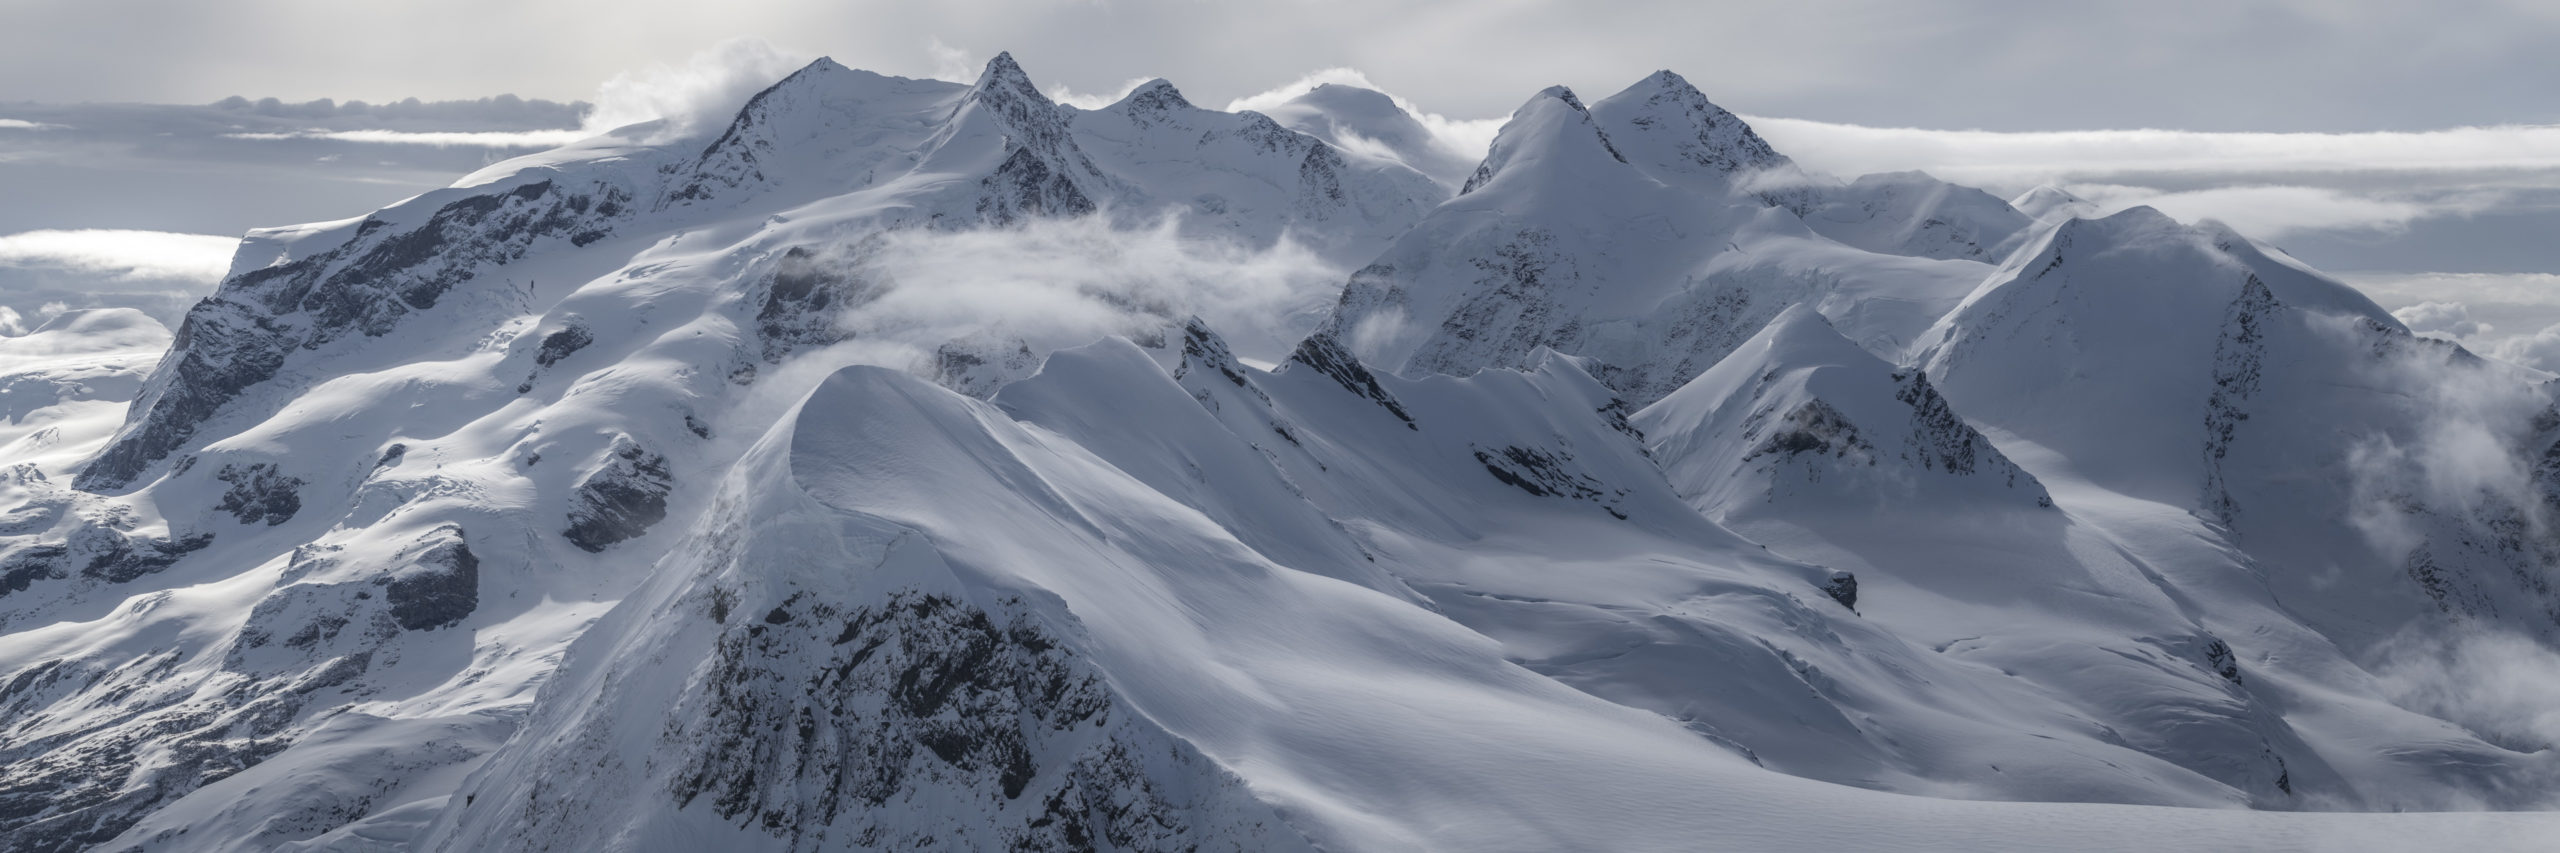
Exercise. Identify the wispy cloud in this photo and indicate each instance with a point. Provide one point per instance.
(705, 90)
(2450, 319)
(1093, 100)
(2274, 212)
(2501, 685)
(2050, 156)
(23, 124)
(1463, 136)
(1054, 283)
(440, 139)
(2514, 317)
(2269, 185)
(952, 64)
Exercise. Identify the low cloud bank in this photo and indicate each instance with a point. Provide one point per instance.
(2512, 317)
(45, 273)
(125, 255)
(1056, 283)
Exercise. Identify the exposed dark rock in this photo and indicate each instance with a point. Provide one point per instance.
(1320, 178)
(563, 343)
(258, 492)
(124, 558)
(28, 565)
(1027, 186)
(1813, 427)
(242, 336)
(2218, 656)
(978, 368)
(814, 722)
(1325, 354)
(1203, 349)
(2237, 360)
(1843, 588)
(90, 778)
(1548, 475)
(621, 498)
(806, 298)
(736, 158)
(441, 585)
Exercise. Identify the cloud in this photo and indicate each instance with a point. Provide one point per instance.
(439, 139)
(500, 112)
(2452, 319)
(951, 64)
(154, 255)
(23, 124)
(703, 91)
(2269, 185)
(2029, 158)
(1058, 283)
(1092, 101)
(2540, 350)
(11, 324)
(2479, 309)
(2501, 685)
(1467, 138)
(2276, 212)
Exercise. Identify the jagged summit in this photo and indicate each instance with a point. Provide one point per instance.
(1155, 96)
(1008, 92)
(1001, 70)
(1671, 130)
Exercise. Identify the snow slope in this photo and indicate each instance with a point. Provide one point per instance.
(911, 463)
(1656, 263)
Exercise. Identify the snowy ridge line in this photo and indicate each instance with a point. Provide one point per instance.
(909, 463)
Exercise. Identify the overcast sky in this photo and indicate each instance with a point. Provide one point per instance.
(2412, 148)
(2329, 65)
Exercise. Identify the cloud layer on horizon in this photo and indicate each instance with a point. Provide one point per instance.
(1996, 64)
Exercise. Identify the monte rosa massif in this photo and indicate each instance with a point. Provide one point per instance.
(907, 465)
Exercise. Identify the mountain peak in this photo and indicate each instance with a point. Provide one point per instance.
(1005, 93)
(1563, 94)
(1001, 64)
(1666, 80)
(1801, 413)
(1154, 96)
(1005, 79)
(820, 65)
(2049, 202)
(1553, 125)
(1671, 130)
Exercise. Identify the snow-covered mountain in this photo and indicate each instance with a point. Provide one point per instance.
(908, 463)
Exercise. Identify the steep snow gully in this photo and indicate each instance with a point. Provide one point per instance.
(914, 464)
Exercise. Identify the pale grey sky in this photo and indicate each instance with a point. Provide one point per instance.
(2269, 65)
